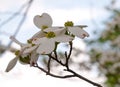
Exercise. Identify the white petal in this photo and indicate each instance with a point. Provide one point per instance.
(11, 64)
(53, 29)
(79, 32)
(63, 38)
(38, 35)
(46, 46)
(34, 58)
(25, 46)
(37, 41)
(43, 20)
(29, 50)
(16, 41)
(56, 30)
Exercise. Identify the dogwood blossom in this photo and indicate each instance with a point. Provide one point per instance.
(53, 35)
(76, 30)
(45, 41)
(48, 35)
(22, 56)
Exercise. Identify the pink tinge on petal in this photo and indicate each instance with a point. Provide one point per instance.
(85, 35)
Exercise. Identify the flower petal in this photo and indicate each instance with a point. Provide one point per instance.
(63, 38)
(53, 29)
(43, 20)
(16, 41)
(34, 58)
(79, 32)
(56, 30)
(38, 35)
(11, 64)
(29, 50)
(37, 41)
(46, 46)
(25, 46)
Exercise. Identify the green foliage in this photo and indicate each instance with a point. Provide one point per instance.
(112, 79)
(110, 34)
(108, 59)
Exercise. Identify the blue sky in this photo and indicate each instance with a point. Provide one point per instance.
(78, 11)
(70, 4)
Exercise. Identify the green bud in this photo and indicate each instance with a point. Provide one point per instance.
(69, 23)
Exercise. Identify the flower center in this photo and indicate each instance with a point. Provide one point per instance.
(68, 23)
(50, 34)
(17, 52)
(44, 27)
(29, 41)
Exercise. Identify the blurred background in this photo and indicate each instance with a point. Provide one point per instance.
(96, 57)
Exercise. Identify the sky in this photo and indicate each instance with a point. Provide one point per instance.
(81, 12)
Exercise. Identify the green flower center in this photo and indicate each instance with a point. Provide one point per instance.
(17, 52)
(44, 27)
(25, 60)
(50, 34)
(30, 42)
(68, 23)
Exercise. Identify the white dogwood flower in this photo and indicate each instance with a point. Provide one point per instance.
(53, 35)
(49, 35)
(24, 57)
(76, 30)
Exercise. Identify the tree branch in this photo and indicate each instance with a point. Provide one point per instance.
(48, 66)
(53, 75)
(66, 65)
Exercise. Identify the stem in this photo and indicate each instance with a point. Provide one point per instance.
(50, 74)
(68, 56)
(66, 65)
(49, 65)
(83, 78)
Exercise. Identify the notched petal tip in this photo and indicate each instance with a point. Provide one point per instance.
(43, 20)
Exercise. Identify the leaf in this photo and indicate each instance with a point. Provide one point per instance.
(11, 64)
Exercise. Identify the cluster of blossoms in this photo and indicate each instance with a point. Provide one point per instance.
(45, 41)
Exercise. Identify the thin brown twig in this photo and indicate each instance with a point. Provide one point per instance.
(83, 78)
(68, 56)
(74, 74)
(53, 75)
(48, 66)
(56, 59)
